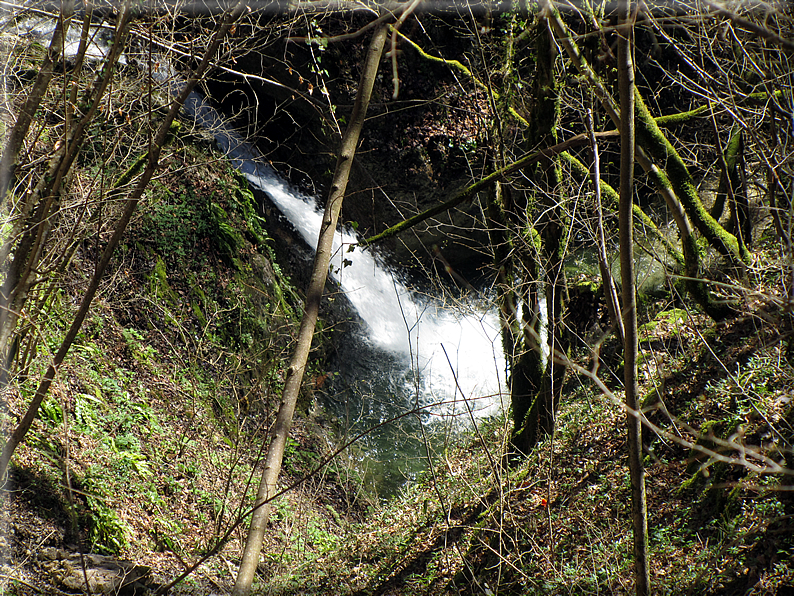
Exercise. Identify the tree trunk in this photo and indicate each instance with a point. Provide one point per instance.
(322, 259)
(536, 377)
(20, 129)
(653, 140)
(630, 345)
(729, 179)
(38, 210)
(607, 281)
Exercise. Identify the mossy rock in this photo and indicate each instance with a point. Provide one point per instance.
(674, 316)
(201, 302)
(244, 203)
(159, 288)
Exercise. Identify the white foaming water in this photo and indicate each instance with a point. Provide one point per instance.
(417, 329)
(42, 27)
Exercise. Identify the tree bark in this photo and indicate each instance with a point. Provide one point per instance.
(641, 219)
(630, 344)
(20, 129)
(322, 259)
(468, 193)
(729, 178)
(33, 225)
(539, 397)
(653, 140)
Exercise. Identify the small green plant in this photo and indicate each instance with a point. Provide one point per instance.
(135, 343)
(106, 531)
(51, 412)
(322, 539)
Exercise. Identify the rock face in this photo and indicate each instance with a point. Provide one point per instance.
(105, 575)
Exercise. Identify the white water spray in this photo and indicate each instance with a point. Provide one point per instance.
(402, 323)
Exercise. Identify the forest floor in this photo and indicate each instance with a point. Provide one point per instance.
(157, 475)
(560, 523)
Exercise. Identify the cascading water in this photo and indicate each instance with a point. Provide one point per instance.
(414, 329)
(417, 352)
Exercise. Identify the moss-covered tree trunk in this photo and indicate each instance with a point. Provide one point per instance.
(668, 173)
(540, 226)
(653, 140)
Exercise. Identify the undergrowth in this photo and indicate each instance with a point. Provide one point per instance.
(148, 446)
(560, 523)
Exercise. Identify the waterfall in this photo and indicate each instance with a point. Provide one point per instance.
(416, 350)
(416, 330)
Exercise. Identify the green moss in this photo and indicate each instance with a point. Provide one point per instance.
(227, 238)
(158, 284)
(731, 157)
(161, 292)
(612, 200)
(201, 301)
(244, 203)
(674, 316)
(651, 138)
(691, 483)
(650, 399)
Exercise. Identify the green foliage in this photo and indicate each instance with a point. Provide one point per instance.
(185, 219)
(243, 203)
(176, 222)
(141, 352)
(106, 530)
(51, 412)
(228, 240)
(297, 460)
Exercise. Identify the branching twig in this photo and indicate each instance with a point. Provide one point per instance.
(470, 191)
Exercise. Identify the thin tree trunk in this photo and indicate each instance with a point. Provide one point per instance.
(470, 192)
(610, 292)
(19, 210)
(641, 219)
(17, 134)
(630, 346)
(32, 228)
(729, 178)
(322, 260)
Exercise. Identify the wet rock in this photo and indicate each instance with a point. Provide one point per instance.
(263, 269)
